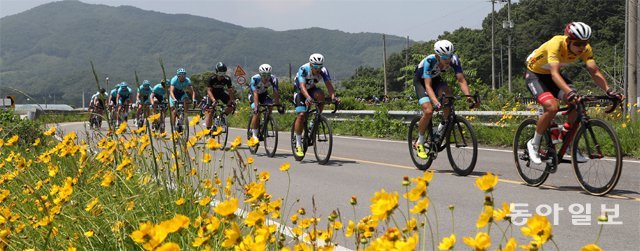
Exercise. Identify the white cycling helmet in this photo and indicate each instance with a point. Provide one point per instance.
(578, 31)
(264, 69)
(444, 47)
(316, 58)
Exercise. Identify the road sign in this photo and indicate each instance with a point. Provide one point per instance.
(241, 80)
(239, 71)
(8, 102)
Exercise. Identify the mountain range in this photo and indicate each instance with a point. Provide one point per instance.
(46, 51)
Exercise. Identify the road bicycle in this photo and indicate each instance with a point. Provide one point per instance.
(181, 123)
(589, 137)
(142, 117)
(457, 136)
(267, 130)
(158, 125)
(317, 133)
(219, 120)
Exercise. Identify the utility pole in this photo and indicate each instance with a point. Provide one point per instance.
(632, 69)
(493, 58)
(406, 61)
(508, 25)
(384, 62)
(290, 79)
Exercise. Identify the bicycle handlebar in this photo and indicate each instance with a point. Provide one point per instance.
(475, 96)
(335, 107)
(613, 107)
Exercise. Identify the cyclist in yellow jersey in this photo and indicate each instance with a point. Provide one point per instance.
(546, 83)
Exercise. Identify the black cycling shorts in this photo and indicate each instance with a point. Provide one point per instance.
(437, 84)
(538, 84)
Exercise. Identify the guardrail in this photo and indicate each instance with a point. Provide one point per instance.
(406, 116)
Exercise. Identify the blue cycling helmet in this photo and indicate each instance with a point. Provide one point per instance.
(146, 83)
(181, 71)
(123, 84)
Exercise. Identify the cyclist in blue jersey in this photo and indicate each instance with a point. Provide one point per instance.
(142, 99)
(306, 92)
(219, 89)
(157, 96)
(429, 85)
(177, 92)
(113, 94)
(124, 97)
(259, 95)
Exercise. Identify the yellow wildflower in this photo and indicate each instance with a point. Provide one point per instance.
(485, 217)
(88, 233)
(487, 182)
(91, 204)
(180, 201)
(511, 245)
(421, 206)
(204, 201)
(227, 208)
(206, 158)
(50, 132)
(285, 166)
(194, 121)
(383, 204)
(538, 228)
(231, 236)
(169, 246)
(12, 140)
(499, 214)
(481, 242)
(122, 128)
(250, 160)
(108, 179)
(447, 243)
(591, 247)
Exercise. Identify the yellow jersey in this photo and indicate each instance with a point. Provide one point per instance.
(555, 51)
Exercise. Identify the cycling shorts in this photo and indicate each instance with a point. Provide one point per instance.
(263, 98)
(437, 84)
(544, 88)
(298, 98)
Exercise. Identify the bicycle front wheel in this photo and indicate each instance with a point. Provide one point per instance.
(323, 141)
(270, 136)
(462, 147)
(222, 138)
(532, 174)
(598, 143)
(412, 139)
(252, 149)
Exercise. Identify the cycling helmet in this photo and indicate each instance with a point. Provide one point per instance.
(181, 71)
(316, 58)
(146, 83)
(220, 68)
(264, 69)
(102, 90)
(444, 47)
(578, 31)
(123, 84)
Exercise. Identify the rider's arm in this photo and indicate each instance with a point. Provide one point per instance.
(557, 77)
(210, 94)
(464, 86)
(171, 89)
(332, 92)
(255, 98)
(193, 93)
(152, 97)
(138, 96)
(232, 94)
(596, 75)
(276, 95)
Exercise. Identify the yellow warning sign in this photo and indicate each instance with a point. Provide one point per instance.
(239, 71)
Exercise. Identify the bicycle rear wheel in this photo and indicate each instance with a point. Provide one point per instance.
(323, 141)
(595, 140)
(252, 149)
(293, 141)
(270, 136)
(462, 147)
(532, 174)
(412, 139)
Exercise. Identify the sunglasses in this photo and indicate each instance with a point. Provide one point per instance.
(316, 66)
(580, 43)
(265, 75)
(445, 57)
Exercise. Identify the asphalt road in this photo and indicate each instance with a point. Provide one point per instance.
(360, 167)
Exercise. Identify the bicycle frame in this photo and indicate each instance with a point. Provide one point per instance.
(308, 136)
(448, 102)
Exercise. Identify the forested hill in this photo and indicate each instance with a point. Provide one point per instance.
(46, 51)
(535, 21)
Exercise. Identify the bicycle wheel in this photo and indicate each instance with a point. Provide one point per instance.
(293, 141)
(462, 146)
(221, 122)
(252, 149)
(412, 139)
(270, 136)
(532, 174)
(323, 141)
(598, 142)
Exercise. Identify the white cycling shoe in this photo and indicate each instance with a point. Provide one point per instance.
(533, 152)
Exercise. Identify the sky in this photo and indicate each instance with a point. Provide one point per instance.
(421, 20)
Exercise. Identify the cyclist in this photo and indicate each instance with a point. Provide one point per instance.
(546, 83)
(259, 95)
(429, 85)
(216, 92)
(178, 84)
(123, 97)
(157, 98)
(142, 99)
(306, 92)
(96, 104)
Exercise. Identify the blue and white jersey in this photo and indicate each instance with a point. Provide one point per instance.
(124, 91)
(305, 75)
(257, 83)
(158, 90)
(114, 93)
(180, 85)
(429, 67)
(95, 96)
(144, 91)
